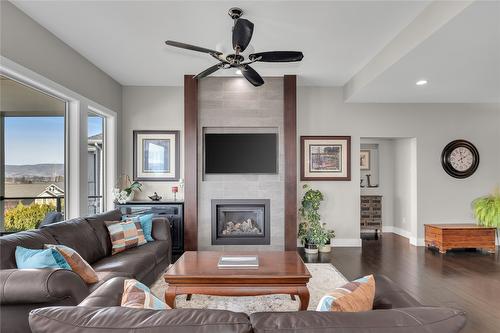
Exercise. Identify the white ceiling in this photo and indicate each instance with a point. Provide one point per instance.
(455, 45)
(126, 38)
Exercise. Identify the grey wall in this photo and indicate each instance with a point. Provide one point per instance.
(151, 108)
(29, 44)
(402, 185)
(441, 198)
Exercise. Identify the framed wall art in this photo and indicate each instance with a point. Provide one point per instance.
(156, 155)
(364, 159)
(325, 158)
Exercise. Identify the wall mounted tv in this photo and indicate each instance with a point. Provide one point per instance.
(241, 153)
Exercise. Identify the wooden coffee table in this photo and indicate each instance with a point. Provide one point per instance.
(196, 272)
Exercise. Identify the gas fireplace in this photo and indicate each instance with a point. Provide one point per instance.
(240, 222)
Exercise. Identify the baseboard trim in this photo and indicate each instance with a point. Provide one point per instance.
(404, 233)
(346, 242)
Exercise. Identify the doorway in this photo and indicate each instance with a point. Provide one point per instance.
(388, 187)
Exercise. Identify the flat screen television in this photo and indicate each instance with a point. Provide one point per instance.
(241, 153)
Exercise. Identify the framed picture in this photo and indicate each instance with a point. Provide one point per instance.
(156, 155)
(364, 160)
(325, 158)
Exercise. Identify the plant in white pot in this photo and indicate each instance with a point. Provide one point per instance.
(312, 233)
(487, 210)
(124, 190)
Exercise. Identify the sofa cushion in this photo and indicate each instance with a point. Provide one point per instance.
(389, 295)
(78, 235)
(77, 263)
(33, 239)
(40, 258)
(409, 320)
(138, 264)
(355, 296)
(136, 295)
(120, 319)
(101, 231)
(125, 235)
(107, 292)
(158, 250)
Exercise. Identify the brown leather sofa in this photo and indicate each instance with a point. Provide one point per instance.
(394, 311)
(22, 290)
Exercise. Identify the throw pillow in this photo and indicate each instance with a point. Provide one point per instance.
(146, 222)
(77, 263)
(125, 235)
(355, 296)
(44, 258)
(137, 295)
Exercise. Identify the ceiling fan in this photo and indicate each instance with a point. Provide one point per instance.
(242, 34)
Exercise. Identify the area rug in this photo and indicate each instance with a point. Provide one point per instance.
(325, 277)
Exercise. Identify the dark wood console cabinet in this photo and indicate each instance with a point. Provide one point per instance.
(371, 212)
(173, 211)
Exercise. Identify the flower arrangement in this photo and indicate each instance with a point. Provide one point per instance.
(125, 189)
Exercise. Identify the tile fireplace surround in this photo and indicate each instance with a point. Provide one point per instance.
(231, 105)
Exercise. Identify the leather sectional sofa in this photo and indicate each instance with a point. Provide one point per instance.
(22, 290)
(394, 311)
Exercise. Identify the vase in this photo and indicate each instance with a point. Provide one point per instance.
(311, 248)
(325, 248)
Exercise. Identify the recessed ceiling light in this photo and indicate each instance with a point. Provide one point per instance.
(238, 72)
(421, 82)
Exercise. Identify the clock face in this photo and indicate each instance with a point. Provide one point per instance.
(460, 159)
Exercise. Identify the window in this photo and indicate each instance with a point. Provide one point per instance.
(33, 154)
(95, 163)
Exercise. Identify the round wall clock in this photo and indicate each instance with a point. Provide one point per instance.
(460, 159)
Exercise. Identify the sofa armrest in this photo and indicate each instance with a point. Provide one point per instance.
(389, 295)
(408, 320)
(107, 294)
(20, 286)
(161, 229)
(68, 319)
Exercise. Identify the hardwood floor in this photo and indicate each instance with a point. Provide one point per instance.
(464, 279)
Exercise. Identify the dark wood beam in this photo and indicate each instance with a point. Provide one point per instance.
(290, 135)
(190, 163)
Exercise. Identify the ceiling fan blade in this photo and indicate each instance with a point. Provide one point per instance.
(251, 75)
(277, 56)
(191, 47)
(242, 34)
(208, 71)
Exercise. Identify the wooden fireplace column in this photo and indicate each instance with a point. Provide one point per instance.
(190, 163)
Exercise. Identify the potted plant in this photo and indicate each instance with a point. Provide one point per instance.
(124, 190)
(487, 210)
(326, 236)
(312, 233)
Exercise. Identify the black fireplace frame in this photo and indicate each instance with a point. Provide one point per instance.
(242, 239)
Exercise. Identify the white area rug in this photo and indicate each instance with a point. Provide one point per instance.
(325, 277)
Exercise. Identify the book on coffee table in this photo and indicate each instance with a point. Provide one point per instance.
(243, 262)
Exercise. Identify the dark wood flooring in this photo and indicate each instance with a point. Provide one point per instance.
(464, 279)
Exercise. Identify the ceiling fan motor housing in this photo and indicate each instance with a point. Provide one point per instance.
(235, 12)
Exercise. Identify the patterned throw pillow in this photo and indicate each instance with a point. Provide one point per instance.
(136, 295)
(35, 258)
(146, 222)
(355, 296)
(77, 263)
(125, 235)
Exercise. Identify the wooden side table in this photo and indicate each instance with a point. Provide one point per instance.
(452, 236)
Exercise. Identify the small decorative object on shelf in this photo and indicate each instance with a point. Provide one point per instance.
(175, 189)
(312, 233)
(369, 181)
(155, 197)
(124, 189)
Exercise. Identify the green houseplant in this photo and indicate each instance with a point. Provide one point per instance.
(125, 189)
(312, 233)
(487, 210)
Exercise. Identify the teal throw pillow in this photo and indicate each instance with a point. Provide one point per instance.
(46, 258)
